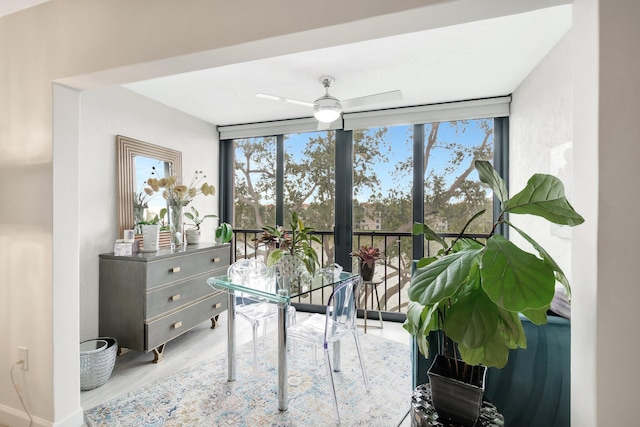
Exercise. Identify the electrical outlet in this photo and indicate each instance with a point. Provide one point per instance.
(23, 354)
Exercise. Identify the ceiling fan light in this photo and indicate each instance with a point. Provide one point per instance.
(327, 109)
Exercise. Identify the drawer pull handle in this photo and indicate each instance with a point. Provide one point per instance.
(215, 260)
(177, 325)
(175, 297)
(217, 305)
(175, 270)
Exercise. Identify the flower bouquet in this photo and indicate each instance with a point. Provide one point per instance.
(179, 195)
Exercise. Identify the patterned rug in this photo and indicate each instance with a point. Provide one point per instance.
(202, 396)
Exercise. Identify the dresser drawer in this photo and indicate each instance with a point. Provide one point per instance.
(161, 300)
(168, 327)
(176, 268)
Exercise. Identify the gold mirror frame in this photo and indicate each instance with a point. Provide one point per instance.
(126, 150)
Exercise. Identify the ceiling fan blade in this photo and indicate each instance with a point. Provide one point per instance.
(280, 98)
(394, 95)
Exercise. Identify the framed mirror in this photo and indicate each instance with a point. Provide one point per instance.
(135, 162)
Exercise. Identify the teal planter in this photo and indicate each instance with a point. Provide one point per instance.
(533, 390)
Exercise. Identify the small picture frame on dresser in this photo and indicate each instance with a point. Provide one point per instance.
(129, 235)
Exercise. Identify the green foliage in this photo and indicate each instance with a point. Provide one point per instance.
(194, 216)
(367, 254)
(224, 232)
(158, 219)
(475, 292)
(296, 242)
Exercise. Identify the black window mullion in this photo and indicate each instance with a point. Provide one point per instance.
(501, 164)
(418, 187)
(343, 216)
(226, 180)
(280, 180)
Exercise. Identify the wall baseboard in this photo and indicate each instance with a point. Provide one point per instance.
(11, 417)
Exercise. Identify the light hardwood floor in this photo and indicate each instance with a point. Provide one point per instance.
(134, 369)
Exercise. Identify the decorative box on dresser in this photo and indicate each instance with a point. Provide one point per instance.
(148, 299)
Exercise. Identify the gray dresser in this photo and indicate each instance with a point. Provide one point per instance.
(148, 299)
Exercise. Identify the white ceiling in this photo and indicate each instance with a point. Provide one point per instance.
(468, 61)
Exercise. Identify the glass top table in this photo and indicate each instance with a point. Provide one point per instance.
(281, 293)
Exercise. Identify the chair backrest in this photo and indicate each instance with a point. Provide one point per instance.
(250, 272)
(341, 309)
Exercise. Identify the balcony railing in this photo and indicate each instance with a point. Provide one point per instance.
(393, 272)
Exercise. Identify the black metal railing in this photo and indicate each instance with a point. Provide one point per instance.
(392, 272)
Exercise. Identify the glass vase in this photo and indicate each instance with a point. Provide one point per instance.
(175, 218)
(288, 272)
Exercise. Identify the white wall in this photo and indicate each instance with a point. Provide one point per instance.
(113, 111)
(618, 252)
(540, 141)
(585, 325)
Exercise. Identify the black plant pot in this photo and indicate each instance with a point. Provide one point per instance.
(367, 272)
(456, 400)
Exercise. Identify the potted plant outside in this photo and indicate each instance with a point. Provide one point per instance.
(473, 293)
(367, 256)
(294, 244)
(193, 233)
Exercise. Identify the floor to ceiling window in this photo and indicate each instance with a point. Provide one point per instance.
(397, 174)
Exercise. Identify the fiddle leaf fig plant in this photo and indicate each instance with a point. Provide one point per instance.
(474, 292)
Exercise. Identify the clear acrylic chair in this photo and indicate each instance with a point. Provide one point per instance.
(338, 321)
(251, 308)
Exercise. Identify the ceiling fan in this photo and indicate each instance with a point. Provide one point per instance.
(328, 108)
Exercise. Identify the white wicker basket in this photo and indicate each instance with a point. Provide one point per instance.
(97, 359)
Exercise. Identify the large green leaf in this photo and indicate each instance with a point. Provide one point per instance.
(442, 278)
(420, 321)
(490, 176)
(544, 196)
(515, 279)
(309, 257)
(538, 316)
(511, 330)
(414, 317)
(429, 234)
(494, 353)
(560, 277)
(473, 319)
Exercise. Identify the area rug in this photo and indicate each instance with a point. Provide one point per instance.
(202, 396)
